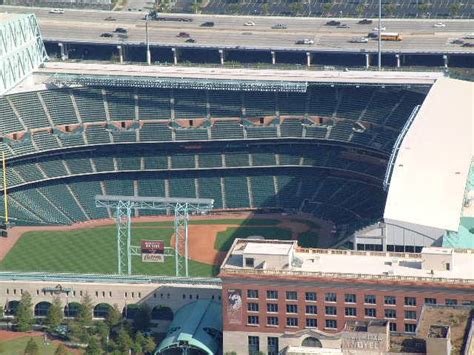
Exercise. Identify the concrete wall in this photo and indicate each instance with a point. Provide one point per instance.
(71, 4)
(399, 233)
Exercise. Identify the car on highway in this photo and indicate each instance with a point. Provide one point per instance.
(120, 30)
(207, 24)
(280, 26)
(470, 45)
(469, 36)
(304, 41)
(457, 41)
(106, 35)
(383, 28)
(359, 40)
(110, 18)
(365, 22)
(249, 23)
(190, 40)
(439, 25)
(183, 35)
(56, 11)
(333, 23)
(343, 25)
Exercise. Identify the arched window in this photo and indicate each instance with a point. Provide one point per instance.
(71, 309)
(312, 342)
(102, 310)
(11, 307)
(162, 313)
(41, 309)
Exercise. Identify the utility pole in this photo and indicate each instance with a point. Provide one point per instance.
(148, 53)
(379, 42)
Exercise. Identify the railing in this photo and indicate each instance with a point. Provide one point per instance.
(96, 278)
(396, 147)
(358, 253)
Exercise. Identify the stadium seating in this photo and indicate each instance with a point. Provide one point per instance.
(291, 104)
(318, 132)
(261, 132)
(189, 104)
(61, 196)
(210, 160)
(128, 163)
(155, 132)
(45, 141)
(104, 163)
(59, 106)
(259, 105)
(236, 160)
(156, 162)
(236, 192)
(353, 102)
(291, 128)
(182, 187)
(9, 122)
(227, 130)
(79, 165)
(121, 104)
(182, 161)
(154, 104)
(263, 159)
(90, 104)
(72, 139)
(210, 187)
(191, 134)
(129, 136)
(223, 104)
(263, 191)
(97, 135)
(30, 109)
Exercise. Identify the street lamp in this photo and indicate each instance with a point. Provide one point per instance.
(379, 42)
(148, 54)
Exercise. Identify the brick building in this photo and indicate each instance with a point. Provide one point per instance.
(276, 295)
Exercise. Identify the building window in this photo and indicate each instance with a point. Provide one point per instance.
(350, 298)
(311, 322)
(311, 309)
(291, 322)
(252, 293)
(430, 300)
(390, 300)
(410, 328)
(273, 346)
(249, 262)
(272, 307)
(291, 295)
(252, 307)
(272, 295)
(331, 311)
(410, 301)
(331, 323)
(370, 299)
(272, 321)
(330, 297)
(254, 345)
(390, 313)
(451, 302)
(350, 312)
(310, 296)
(371, 312)
(291, 308)
(252, 320)
(410, 314)
(392, 327)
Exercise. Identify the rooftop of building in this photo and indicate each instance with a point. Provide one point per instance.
(6, 17)
(431, 265)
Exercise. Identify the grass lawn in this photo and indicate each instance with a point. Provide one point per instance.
(308, 239)
(91, 250)
(17, 346)
(225, 239)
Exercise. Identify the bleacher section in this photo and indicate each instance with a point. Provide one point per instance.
(290, 161)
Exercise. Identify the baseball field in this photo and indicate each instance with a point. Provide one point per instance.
(91, 247)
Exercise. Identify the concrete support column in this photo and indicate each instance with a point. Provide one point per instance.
(367, 60)
(148, 56)
(63, 51)
(309, 56)
(222, 56)
(445, 59)
(397, 57)
(273, 57)
(175, 55)
(120, 50)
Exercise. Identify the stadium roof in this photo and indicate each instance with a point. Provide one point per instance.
(432, 166)
(197, 325)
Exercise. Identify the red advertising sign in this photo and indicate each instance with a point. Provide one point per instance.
(153, 251)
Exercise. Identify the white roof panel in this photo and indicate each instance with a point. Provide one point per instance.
(431, 169)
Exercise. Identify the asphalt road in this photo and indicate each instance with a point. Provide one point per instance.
(419, 36)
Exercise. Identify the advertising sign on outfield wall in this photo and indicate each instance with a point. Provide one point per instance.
(153, 251)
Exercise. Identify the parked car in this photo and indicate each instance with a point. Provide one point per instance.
(183, 35)
(439, 25)
(383, 28)
(106, 35)
(109, 18)
(343, 25)
(359, 40)
(120, 30)
(279, 26)
(469, 36)
(207, 24)
(470, 45)
(365, 22)
(457, 41)
(304, 41)
(190, 40)
(249, 23)
(56, 11)
(333, 23)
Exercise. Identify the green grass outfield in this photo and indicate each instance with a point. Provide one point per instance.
(94, 250)
(17, 346)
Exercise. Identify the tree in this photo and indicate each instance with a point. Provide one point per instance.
(390, 9)
(265, 8)
(93, 348)
(55, 314)
(61, 350)
(84, 314)
(327, 7)
(361, 9)
(454, 9)
(31, 348)
(142, 317)
(114, 317)
(124, 341)
(24, 313)
(2, 312)
(149, 345)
